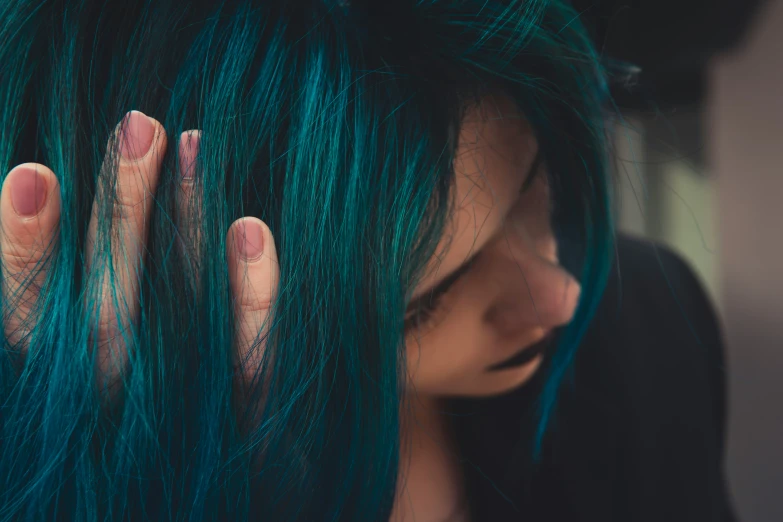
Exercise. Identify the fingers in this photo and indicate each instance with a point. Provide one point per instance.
(142, 143)
(189, 198)
(255, 275)
(29, 215)
(252, 259)
(30, 211)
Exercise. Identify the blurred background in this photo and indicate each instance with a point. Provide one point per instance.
(699, 167)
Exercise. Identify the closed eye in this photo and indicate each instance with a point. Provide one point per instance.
(421, 309)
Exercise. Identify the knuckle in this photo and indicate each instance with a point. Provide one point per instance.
(125, 202)
(24, 255)
(254, 302)
(22, 307)
(127, 209)
(18, 332)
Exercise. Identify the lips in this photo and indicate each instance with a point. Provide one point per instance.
(525, 355)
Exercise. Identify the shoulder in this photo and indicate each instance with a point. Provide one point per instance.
(650, 275)
(658, 334)
(639, 428)
(656, 308)
(651, 370)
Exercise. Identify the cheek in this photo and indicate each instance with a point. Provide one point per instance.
(443, 351)
(451, 351)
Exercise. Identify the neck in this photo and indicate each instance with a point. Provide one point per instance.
(430, 484)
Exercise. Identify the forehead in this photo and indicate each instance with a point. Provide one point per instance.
(496, 148)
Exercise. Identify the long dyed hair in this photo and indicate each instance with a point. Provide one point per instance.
(333, 121)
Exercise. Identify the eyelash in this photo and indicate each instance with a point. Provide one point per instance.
(426, 312)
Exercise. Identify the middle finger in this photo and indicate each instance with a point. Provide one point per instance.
(142, 143)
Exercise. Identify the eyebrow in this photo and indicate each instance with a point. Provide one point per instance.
(454, 276)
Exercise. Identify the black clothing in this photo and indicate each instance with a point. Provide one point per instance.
(638, 437)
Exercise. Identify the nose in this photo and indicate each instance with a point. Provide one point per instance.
(533, 290)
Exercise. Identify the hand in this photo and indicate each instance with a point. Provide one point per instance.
(29, 231)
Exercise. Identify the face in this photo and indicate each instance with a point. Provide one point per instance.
(499, 261)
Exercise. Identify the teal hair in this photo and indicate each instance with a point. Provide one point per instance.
(334, 122)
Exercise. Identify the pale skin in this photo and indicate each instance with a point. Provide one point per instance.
(30, 210)
(512, 296)
(514, 293)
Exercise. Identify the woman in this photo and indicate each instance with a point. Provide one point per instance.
(284, 289)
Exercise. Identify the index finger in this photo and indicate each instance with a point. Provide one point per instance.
(29, 216)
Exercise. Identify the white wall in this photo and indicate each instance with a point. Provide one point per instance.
(745, 149)
(722, 210)
(666, 193)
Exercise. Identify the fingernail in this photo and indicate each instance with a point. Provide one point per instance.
(251, 239)
(136, 133)
(28, 191)
(188, 148)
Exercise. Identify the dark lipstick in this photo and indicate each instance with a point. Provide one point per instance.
(525, 355)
